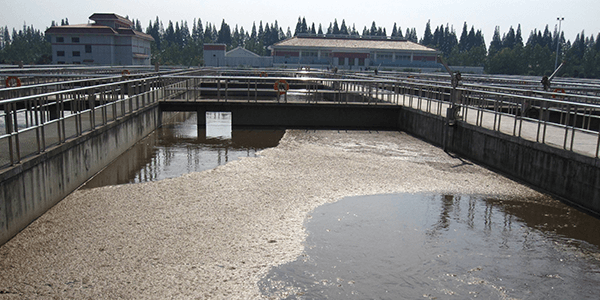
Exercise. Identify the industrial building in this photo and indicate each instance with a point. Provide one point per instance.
(109, 40)
(351, 52)
(215, 55)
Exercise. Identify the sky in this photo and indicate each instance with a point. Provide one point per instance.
(484, 15)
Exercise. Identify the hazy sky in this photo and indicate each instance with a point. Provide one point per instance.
(482, 14)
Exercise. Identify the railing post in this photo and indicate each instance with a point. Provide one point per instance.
(218, 89)
(573, 128)
(8, 128)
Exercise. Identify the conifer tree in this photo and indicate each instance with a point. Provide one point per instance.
(298, 27)
(373, 29)
(336, 28)
(427, 36)
(343, 28)
(304, 26)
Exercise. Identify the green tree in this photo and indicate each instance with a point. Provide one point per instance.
(427, 36)
(224, 36)
(28, 45)
(343, 28)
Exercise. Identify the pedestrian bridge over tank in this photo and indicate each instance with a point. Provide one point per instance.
(60, 128)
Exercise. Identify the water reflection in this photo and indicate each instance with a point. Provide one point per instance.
(420, 246)
(218, 125)
(180, 147)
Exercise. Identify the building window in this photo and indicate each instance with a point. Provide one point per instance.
(88, 48)
(76, 53)
(60, 53)
(351, 61)
(361, 61)
(384, 56)
(60, 39)
(60, 62)
(74, 40)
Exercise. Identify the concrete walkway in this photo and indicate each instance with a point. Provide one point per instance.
(583, 142)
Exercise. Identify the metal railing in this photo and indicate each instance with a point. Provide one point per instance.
(31, 124)
(59, 82)
(301, 87)
(564, 120)
(569, 123)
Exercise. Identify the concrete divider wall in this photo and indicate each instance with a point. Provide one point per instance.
(318, 116)
(571, 176)
(30, 188)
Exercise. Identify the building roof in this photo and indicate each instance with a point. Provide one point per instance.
(241, 52)
(80, 28)
(130, 31)
(96, 29)
(351, 44)
(111, 17)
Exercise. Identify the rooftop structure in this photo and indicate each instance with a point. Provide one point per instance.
(216, 55)
(110, 40)
(353, 52)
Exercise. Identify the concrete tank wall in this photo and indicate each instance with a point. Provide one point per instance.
(31, 188)
(571, 176)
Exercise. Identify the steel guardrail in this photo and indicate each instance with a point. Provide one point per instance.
(33, 123)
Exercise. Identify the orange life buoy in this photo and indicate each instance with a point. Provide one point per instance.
(558, 91)
(282, 86)
(12, 81)
(125, 72)
(263, 74)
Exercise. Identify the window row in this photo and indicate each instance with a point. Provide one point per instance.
(88, 49)
(390, 56)
(60, 39)
(342, 61)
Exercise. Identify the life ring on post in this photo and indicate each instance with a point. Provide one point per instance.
(558, 91)
(125, 72)
(12, 81)
(282, 86)
(263, 74)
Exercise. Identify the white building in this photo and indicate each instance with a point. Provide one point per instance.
(215, 55)
(110, 40)
(348, 52)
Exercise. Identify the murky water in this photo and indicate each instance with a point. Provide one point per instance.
(425, 246)
(399, 246)
(180, 147)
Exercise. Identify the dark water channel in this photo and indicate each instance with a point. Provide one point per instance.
(421, 246)
(180, 147)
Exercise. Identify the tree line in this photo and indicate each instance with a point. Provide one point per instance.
(508, 53)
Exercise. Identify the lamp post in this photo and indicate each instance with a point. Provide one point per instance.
(559, 19)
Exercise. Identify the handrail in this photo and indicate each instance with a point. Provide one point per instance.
(50, 118)
(73, 90)
(32, 124)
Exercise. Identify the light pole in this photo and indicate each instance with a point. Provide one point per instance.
(559, 19)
